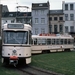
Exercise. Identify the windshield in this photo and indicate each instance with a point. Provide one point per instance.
(15, 37)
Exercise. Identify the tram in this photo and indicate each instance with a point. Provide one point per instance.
(45, 43)
(16, 43)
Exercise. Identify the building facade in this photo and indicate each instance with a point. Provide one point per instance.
(12, 17)
(44, 20)
(69, 17)
(40, 20)
(56, 22)
(4, 8)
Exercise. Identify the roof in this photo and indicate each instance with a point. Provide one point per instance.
(40, 5)
(56, 12)
(14, 14)
(52, 36)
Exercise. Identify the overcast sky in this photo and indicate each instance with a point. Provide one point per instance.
(54, 4)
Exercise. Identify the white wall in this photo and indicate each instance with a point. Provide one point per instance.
(69, 22)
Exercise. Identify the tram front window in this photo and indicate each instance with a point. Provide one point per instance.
(15, 37)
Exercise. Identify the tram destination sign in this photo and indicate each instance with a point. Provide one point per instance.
(15, 26)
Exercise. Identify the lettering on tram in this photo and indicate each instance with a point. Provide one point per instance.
(15, 26)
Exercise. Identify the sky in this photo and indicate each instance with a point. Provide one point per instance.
(12, 4)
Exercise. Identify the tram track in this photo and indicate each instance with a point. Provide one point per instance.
(30, 70)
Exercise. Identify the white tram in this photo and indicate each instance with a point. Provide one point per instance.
(45, 43)
(16, 43)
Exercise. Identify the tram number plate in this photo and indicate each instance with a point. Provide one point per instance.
(11, 60)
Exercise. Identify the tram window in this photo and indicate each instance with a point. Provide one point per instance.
(39, 41)
(32, 42)
(65, 41)
(35, 41)
(53, 41)
(57, 41)
(30, 37)
(69, 41)
(61, 41)
(43, 41)
(48, 41)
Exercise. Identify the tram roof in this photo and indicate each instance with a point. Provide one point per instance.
(55, 37)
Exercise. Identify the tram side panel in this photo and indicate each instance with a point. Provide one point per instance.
(49, 44)
(52, 48)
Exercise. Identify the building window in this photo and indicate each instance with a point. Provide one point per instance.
(50, 28)
(42, 12)
(66, 6)
(50, 18)
(40, 4)
(5, 21)
(71, 6)
(36, 20)
(60, 18)
(42, 20)
(66, 16)
(10, 15)
(55, 18)
(71, 16)
(71, 28)
(36, 12)
(42, 30)
(60, 28)
(55, 29)
(66, 29)
(36, 31)
(12, 21)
